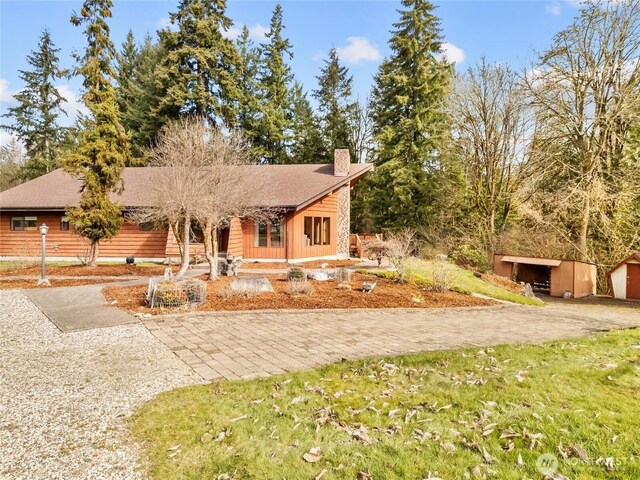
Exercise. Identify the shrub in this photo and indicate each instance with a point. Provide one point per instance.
(375, 250)
(389, 275)
(440, 274)
(468, 256)
(343, 275)
(175, 293)
(296, 273)
(299, 287)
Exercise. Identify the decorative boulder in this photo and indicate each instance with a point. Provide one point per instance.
(251, 285)
(319, 275)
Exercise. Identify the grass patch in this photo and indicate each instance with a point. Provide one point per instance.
(461, 279)
(449, 414)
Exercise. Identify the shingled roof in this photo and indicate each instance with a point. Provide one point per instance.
(290, 186)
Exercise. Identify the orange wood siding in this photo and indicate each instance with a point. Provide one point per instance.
(326, 207)
(236, 244)
(129, 241)
(251, 251)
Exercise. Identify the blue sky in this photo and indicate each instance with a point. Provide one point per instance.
(507, 31)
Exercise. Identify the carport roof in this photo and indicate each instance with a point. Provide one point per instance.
(546, 262)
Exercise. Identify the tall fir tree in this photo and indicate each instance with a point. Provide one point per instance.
(102, 151)
(336, 106)
(137, 94)
(247, 71)
(308, 144)
(35, 118)
(273, 136)
(197, 74)
(409, 123)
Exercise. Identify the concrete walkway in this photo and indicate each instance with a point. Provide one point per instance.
(79, 308)
(251, 344)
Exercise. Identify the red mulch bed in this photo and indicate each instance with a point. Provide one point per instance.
(503, 282)
(10, 284)
(387, 294)
(313, 264)
(116, 270)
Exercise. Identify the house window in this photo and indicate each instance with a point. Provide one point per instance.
(260, 236)
(150, 226)
(24, 223)
(308, 233)
(326, 231)
(275, 234)
(317, 231)
(64, 223)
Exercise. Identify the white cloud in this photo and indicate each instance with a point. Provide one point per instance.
(6, 96)
(74, 105)
(452, 53)
(553, 8)
(7, 138)
(257, 32)
(358, 49)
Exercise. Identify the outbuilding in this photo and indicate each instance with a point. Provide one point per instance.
(557, 277)
(624, 278)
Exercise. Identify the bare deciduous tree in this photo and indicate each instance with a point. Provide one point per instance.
(491, 121)
(200, 180)
(586, 94)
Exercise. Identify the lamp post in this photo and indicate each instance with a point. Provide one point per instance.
(43, 231)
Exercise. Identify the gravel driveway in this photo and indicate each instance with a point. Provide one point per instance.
(64, 398)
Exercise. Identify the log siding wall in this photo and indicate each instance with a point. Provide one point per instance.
(26, 243)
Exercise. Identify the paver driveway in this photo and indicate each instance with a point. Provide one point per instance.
(232, 345)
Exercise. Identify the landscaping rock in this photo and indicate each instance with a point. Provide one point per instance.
(527, 291)
(255, 285)
(319, 275)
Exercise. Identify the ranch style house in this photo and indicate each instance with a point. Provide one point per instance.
(315, 200)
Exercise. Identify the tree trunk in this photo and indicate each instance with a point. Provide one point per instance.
(584, 228)
(175, 229)
(93, 254)
(211, 249)
(184, 266)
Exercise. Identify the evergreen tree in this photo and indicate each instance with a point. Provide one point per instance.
(336, 105)
(137, 94)
(308, 144)
(273, 136)
(101, 153)
(249, 106)
(39, 106)
(197, 74)
(409, 123)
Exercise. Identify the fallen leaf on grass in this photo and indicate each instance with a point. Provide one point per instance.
(487, 458)
(362, 434)
(321, 474)
(237, 419)
(448, 447)
(520, 376)
(297, 400)
(312, 456)
(364, 475)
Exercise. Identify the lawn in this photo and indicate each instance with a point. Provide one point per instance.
(465, 281)
(472, 413)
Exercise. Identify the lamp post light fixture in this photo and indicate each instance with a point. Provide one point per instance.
(43, 231)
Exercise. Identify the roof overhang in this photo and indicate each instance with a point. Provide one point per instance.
(545, 262)
(348, 180)
(633, 256)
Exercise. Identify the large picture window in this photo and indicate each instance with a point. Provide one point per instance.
(317, 231)
(275, 235)
(24, 223)
(268, 234)
(260, 235)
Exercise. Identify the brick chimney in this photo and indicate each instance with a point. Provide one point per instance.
(341, 162)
